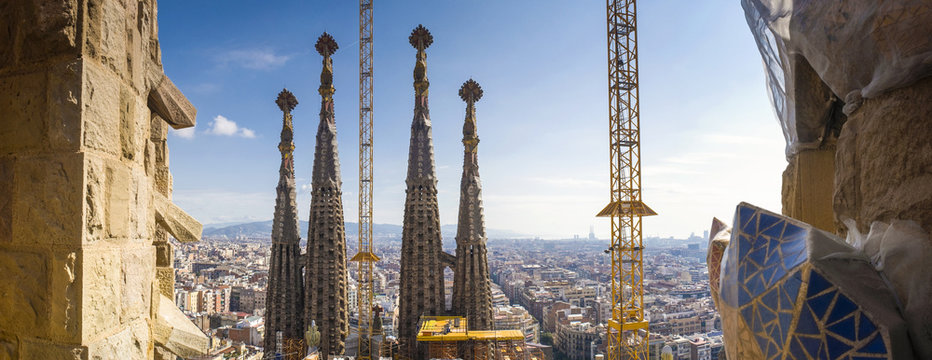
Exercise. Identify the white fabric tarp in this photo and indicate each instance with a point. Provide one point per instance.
(859, 48)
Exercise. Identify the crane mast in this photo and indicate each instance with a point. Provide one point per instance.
(365, 257)
(628, 328)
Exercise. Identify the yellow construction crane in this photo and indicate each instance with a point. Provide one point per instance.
(627, 328)
(365, 258)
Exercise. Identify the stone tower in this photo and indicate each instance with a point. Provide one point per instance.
(421, 250)
(472, 295)
(325, 299)
(285, 295)
(85, 186)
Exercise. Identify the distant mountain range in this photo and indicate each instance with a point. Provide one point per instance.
(263, 230)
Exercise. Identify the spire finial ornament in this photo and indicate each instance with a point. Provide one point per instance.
(470, 92)
(286, 101)
(421, 38)
(326, 45)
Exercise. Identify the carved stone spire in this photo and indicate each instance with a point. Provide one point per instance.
(285, 295)
(326, 244)
(421, 288)
(472, 294)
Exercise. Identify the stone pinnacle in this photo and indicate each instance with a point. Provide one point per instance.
(470, 92)
(286, 101)
(421, 38)
(326, 45)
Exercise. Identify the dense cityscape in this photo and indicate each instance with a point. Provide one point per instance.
(555, 291)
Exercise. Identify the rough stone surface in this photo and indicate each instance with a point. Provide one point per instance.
(808, 183)
(78, 173)
(325, 287)
(472, 293)
(24, 303)
(883, 168)
(421, 288)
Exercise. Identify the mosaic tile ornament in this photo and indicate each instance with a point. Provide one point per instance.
(791, 291)
(718, 241)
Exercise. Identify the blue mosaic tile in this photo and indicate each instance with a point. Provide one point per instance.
(836, 348)
(743, 296)
(817, 284)
(819, 304)
(771, 274)
(785, 320)
(843, 307)
(767, 221)
(758, 255)
(775, 231)
(796, 351)
(844, 328)
(745, 216)
(866, 327)
(766, 315)
(771, 298)
(793, 233)
(812, 346)
(807, 323)
(875, 346)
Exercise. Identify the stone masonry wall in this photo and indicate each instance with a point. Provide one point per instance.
(78, 168)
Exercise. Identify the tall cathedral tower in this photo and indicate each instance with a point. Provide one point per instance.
(472, 295)
(285, 294)
(326, 275)
(421, 249)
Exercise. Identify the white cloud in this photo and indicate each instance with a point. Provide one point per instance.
(257, 59)
(222, 126)
(186, 133)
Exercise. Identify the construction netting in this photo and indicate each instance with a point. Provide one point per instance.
(859, 49)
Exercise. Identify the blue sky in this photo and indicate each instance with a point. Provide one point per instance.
(709, 136)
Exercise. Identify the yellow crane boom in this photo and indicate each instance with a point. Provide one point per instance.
(627, 328)
(365, 258)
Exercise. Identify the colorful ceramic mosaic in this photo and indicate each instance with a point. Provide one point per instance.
(790, 291)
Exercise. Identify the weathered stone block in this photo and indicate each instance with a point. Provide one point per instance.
(41, 349)
(101, 100)
(142, 220)
(808, 184)
(94, 198)
(48, 199)
(64, 297)
(163, 255)
(36, 30)
(9, 347)
(23, 112)
(130, 343)
(47, 29)
(170, 104)
(64, 105)
(174, 331)
(166, 280)
(177, 222)
(118, 191)
(106, 33)
(6, 199)
(100, 310)
(137, 274)
(883, 167)
(24, 294)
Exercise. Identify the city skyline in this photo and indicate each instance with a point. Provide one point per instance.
(544, 114)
